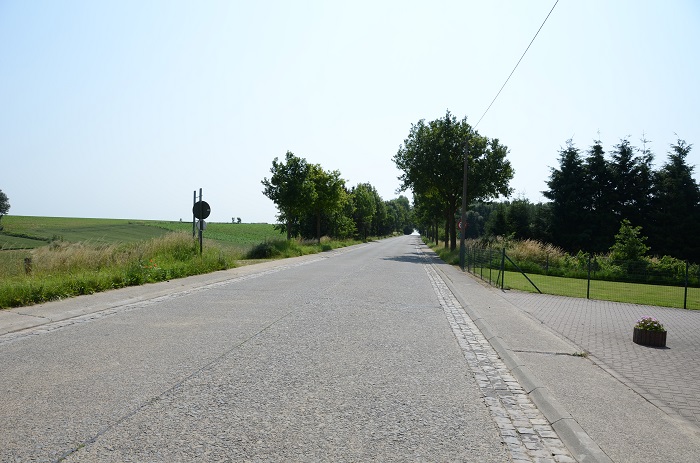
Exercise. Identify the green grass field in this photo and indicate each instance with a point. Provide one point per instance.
(22, 232)
(665, 296)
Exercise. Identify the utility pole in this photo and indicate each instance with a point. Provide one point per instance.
(463, 222)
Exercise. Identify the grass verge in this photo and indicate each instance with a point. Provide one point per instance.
(635, 293)
(62, 269)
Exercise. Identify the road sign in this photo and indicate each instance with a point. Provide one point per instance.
(201, 225)
(201, 210)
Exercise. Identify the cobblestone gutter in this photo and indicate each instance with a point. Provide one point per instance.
(525, 431)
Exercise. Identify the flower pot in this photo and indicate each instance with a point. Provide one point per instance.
(649, 338)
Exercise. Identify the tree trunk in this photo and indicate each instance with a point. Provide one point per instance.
(318, 227)
(447, 231)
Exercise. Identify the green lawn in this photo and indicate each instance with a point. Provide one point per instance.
(666, 296)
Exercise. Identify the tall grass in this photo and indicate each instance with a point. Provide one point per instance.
(62, 269)
(69, 269)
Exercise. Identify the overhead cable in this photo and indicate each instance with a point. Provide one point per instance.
(516, 65)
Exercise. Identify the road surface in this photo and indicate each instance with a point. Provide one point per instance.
(351, 355)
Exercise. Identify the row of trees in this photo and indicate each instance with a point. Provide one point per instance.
(592, 194)
(313, 202)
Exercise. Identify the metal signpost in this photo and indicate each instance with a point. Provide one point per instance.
(200, 211)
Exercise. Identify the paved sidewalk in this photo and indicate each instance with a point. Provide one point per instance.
(669, 377)
(608, 398)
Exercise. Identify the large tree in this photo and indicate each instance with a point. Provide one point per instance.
(291, 189)
(599, 218)
(327, 195)
(567, 191)
(632, 182)
(675, 218)
(365, 208)
(432, 161)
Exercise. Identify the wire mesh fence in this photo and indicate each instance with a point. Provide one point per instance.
(663, 282)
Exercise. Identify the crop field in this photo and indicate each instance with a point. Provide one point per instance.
(32, 232)
(22, 232)
(242, 235)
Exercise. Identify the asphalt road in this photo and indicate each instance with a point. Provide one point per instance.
(344, 356)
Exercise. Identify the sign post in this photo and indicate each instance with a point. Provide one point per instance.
(200, 211)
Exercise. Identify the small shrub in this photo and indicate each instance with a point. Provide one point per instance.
(265, 250)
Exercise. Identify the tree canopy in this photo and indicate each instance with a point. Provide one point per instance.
(591, 197)
(675, 206)
(432, 161)
(291, 189)
(569, 203)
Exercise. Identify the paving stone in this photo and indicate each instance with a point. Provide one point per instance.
(527, 435)
(604, 330)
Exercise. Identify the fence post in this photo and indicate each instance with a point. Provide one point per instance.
(588, 288)
(481, 258)
(466, 258)
(503, 268)
(685, 295)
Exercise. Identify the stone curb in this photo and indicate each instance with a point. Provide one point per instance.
(579, 443)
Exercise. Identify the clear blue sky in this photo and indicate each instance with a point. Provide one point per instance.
(122, 109)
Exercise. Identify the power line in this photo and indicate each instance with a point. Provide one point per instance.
(516, 65)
